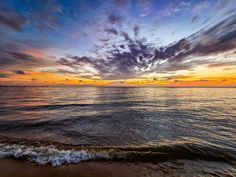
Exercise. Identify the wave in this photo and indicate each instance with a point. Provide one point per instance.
(54, 106)
(104, 104)
(57, 154)
(49, 155)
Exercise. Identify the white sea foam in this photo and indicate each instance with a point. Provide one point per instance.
(50, 155)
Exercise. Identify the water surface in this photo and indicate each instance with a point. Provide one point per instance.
(144, 124)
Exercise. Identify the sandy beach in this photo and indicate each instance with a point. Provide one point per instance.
(19, 168)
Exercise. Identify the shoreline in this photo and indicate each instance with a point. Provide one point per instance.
(22, 168)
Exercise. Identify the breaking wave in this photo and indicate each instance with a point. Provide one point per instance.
(57, 154)
(49, 155)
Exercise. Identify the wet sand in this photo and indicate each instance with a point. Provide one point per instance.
(19, 168)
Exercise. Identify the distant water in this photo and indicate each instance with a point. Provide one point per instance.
(61, 125)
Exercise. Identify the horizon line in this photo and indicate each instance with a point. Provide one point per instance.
(117, 86)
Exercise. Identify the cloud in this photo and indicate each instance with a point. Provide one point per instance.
(221, 4)
(202, 80)
(224, 64)
(177, 77)
(145, 6)
(126, 36)
(132, 57)
(114, 19)
(178, 81)
(219, 38)
(121, 50)
(136, 30)
(111, 31)
(12, 19)
(2, 75)
(118, 63)
(5, 61)
(21, 56)
(174, 7)
(19, 72)
(195, 18)
(198, 8)
(9, 58)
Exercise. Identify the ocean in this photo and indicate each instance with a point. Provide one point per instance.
(192, 130)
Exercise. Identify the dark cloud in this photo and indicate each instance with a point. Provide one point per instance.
(13, 54)
(126, 36)
(63, 71)
(8, 58)
(114, 19)
(202, 80)
(111, 31)
(119, 82)
(79, 60)
(176, 77)
(6, 61)
(21, 56)
(178, 81)
(11, 19)
(122, 46)
(224, 64)
(19, 72)
(2, 75)
(195, 18)
(34, 80)
(118, 63)
(104, 40)
(64, 61)
(206, 21)
(136, 30)
(217, 39)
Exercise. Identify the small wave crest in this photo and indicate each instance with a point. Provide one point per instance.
(50, 155)
(56, 154)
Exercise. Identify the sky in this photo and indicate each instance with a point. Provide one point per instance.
(118, 42)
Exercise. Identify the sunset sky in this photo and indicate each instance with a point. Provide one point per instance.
(118, 42)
